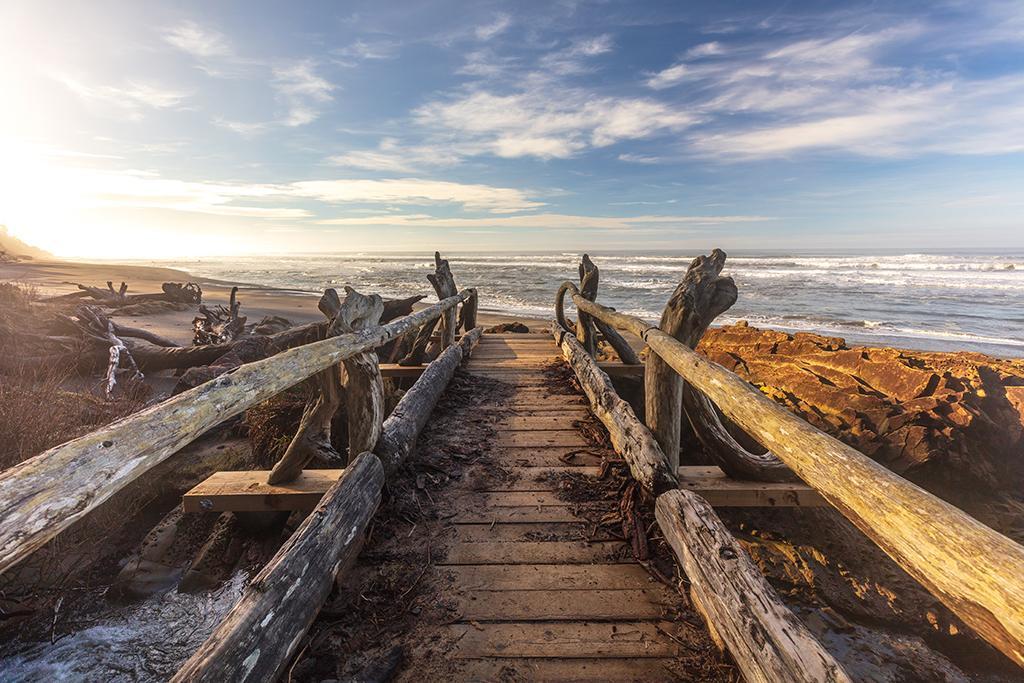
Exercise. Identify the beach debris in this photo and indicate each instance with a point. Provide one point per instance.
(95, 327)
(176, 292)
(219, 325)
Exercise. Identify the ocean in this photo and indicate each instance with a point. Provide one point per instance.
(928, 301)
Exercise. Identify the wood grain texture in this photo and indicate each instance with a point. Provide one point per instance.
(633, 441)
(766, 640)
(262, 632)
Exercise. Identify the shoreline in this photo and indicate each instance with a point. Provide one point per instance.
(55, 277)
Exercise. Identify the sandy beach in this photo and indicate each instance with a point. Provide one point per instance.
(52, 278)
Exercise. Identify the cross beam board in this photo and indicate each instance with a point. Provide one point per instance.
(413, 371)
(249, 491)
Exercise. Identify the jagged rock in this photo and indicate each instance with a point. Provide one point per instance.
(953, 422)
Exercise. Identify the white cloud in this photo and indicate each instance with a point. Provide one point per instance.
(574, 59)
(131, 97)
(390, 155)
(302, 91)
(370, 49)
(197, 41)
(496, 27)
(416, 191)
(667, 78)
(542, 220)
(549, 121)
(241, 127)
(711, 49)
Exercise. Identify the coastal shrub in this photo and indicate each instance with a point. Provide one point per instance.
(17, 294)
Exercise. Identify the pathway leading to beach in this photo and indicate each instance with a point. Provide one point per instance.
(518, 582)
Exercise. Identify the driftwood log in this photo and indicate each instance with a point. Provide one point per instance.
(95, 328)
(700, 298)
(767, 641)
(467, 315)
(219, 325)
(418, 352)
(262, 632)
(589, 277)
(364, 386)
(444, 285)
(647, 462)
(46, 494)
(977, 572)
(176, 292)
(312, 440)
(413, 410)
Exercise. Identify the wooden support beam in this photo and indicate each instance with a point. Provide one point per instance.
(745, 615)
(720, 490)
(403, 371)
(46, 494)
(248, 491)
(261, 634)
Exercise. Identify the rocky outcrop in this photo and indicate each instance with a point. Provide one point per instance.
(953, 422)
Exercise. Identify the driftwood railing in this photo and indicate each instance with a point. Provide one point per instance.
(46, 494)
(977, 572)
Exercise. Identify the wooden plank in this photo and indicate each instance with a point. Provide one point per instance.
(474, 514)
(577, 669)
(537, 552)
(521, 532)
(553, 457)
(529, 423)
(580, 639)
(556, 605)
(249, 491)
(565, 577)
(401, 371)
(712, 484)
(499, 499)
(539, 438)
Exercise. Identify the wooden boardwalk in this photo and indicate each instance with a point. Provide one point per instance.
(535, 600)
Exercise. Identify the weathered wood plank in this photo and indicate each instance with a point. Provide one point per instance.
(766, 640)
(608, 670)
(548, 577)
(558, 605)
(537, 552)
(262, 632)
(638, 639)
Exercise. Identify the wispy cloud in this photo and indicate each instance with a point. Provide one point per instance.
(130, 98)
(494, 28)
(391, 156)
(360, 50)
(190, 37)
(549, 122)
(544, 220)
(418, 192)
(302, 91)
(575, 58)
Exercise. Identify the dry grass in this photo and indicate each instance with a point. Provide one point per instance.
(38, 412)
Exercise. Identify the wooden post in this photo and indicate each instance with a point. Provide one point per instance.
(467, 317)
(410, 415)
(313, 438)
(444, 285)
(46, 494)
(261, 634)
(699, 298)
(630, 438)
(364, 388)
(766, 640)
(589, 277)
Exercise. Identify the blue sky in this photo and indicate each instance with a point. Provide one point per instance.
(176, 129)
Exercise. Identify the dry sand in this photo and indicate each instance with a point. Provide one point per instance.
(52, 278)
